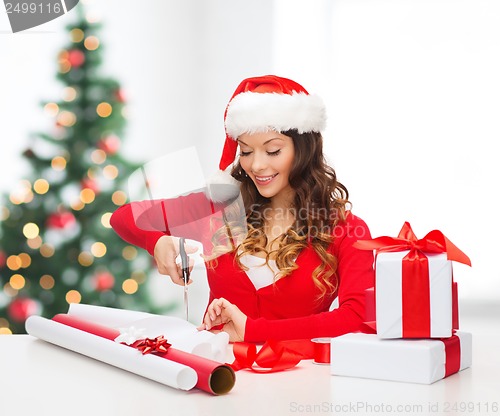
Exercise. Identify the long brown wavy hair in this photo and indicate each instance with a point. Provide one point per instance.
(319, 204)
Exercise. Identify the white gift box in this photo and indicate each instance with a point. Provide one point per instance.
(407, 360)
(389, 295)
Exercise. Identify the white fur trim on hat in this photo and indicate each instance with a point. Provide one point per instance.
(254, 112)
(222, 187)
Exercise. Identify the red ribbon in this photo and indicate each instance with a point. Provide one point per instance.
(415, 273)
(452, 354)
(454, 306)
(416, 297)
(434, 242)
(272, 357)
(321, 352)
(151, 345)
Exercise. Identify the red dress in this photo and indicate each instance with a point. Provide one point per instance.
(287, 309)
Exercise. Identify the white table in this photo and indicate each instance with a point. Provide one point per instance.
(37, 378)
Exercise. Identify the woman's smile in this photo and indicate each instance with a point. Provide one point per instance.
(264, 180)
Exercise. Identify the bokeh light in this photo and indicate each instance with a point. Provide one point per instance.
(41, 186)
(25, 260)
(77, 205)
(129, 253)
(76, 35)
(47, 250)
(119, 198)
(4, 213)
(14, 262)
(91, 43)
(98, 249)
(85, 258)
(35, 243)
(58, 163)
(87, 195)
(66, 118)
(69, 94)
(110, 172)
(51, 109)
(98, 156)
(47, 282)
(31, 230)
(105, 220)
(104, 109)
(17, 281)
(130, 286)
(73, 296)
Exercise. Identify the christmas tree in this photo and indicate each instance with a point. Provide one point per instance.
(56, 244)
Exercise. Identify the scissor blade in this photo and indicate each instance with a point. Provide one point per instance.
(186, 302)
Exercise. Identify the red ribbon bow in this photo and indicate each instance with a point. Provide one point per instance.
(434, 242)
(151, 345)
(272, 357)
(415, 273)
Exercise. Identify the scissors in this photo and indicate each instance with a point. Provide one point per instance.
(185, 273)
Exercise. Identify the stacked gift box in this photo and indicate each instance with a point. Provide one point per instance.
(413, 310)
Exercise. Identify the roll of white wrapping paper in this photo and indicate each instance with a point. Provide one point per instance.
(182, 334)
(150, 366)
(106, 316)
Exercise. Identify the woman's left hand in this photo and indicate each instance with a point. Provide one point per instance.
(223, 312)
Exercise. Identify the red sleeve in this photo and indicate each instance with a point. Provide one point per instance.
(355, 273)
(142, 223)
(124, 224)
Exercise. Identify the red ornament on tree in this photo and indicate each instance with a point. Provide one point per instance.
(120, 96)
(61, 220)
(22, 308)
(110, 144)
(90, 184)
(3, 258)
(76, 58)
(103, 281)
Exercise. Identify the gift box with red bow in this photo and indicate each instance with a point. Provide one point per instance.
(415, 296)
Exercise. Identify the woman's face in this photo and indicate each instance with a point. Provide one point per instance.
(267, 159)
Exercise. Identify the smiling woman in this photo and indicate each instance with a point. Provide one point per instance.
(267, 158)
(280, 280)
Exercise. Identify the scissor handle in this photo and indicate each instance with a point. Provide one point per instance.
(184, 260)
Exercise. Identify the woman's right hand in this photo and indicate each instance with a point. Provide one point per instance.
(165, 252)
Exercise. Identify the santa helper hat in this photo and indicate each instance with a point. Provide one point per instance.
(267, 103)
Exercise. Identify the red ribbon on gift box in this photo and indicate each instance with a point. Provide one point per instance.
(415, 283)
(452, 353)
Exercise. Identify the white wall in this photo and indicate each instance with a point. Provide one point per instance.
(415, 115)
(412, 92)
(410, 85)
